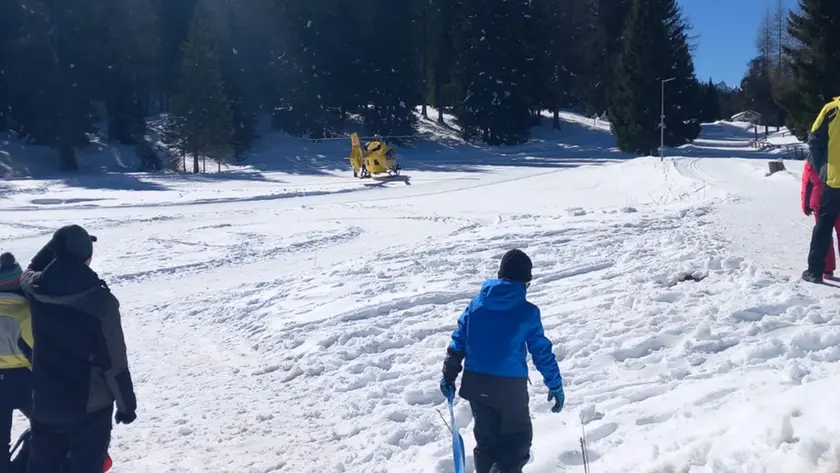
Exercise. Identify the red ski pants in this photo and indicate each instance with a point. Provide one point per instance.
(830, 262)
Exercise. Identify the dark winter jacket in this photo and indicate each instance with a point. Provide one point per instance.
(824, 144)
(492, 337)
(79, 357)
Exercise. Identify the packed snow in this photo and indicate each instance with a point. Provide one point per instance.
(297, 320)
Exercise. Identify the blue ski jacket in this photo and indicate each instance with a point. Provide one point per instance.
(495, 329)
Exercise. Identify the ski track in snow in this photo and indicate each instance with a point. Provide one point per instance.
(307, 334)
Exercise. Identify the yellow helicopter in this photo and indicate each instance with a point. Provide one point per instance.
(375, 158)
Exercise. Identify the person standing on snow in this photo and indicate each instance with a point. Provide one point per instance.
(491, 338)
(15, 373)
(824, 144)
(79, 360)
(811, 192)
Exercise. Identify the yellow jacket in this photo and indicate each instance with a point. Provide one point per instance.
(824, 144)
(15, 323)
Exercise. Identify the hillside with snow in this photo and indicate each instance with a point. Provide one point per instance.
(434, 146)
(293, 318)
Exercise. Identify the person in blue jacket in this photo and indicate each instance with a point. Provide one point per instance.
(492, 336)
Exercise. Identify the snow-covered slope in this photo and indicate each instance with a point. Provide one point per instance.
(434, 147)
(297, 321)
(18, 159)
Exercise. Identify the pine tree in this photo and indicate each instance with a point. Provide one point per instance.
(28, 90)
(765, 76)
(782, 75)
(781, 36)
(129, 67)
(204, 118)
(12, 12)
(731, 102)
(711, 103)
(655, 49)
(67, 69)
(562, 29)
(766, 44)
(425, 54)
(444, 86)
(815, 54)
(172, 23)
(391, 69)
(757, 87)
(321, 63)
(603, 46)
(240, 28)
(492, 72)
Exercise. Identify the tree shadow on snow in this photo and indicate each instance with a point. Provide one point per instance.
(214, 176)
(114, 181)
(98, 180)
(438, 148)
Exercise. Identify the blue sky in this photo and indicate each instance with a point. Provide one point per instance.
(725, 32)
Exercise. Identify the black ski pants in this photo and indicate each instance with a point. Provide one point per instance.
(503, 433)
(15, 394)
(822, 234)
(86, 444)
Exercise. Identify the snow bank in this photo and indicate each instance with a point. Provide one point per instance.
(18, 159)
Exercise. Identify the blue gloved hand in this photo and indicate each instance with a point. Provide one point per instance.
(558, 397)
(446, 388)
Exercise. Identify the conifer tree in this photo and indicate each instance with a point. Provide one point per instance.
(444, 18)
(711, 103)
(172, 23)
(731, 102)
(496, 107)
(204, 118)
(603, 46)
(815, 55)
(765, 76)
(391, 68)
(655, 49)
(757, 87)
(27, 88)
(563, 28)
(129, 67)
(12, 13)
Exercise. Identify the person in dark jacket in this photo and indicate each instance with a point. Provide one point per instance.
(811, 194)
(492, 336)
(79, 360)
(824, 157)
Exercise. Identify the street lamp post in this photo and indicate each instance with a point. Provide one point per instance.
(662, 121)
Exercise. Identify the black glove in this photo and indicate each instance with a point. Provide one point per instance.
(125, 417)
(452, 365)
(808, 210)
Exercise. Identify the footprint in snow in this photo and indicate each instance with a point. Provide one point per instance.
(574, 457)
(646, 393)
(601, 432)
(714, 396)
(398, 416)
(654, 419)
(445, 465)
(418, 397)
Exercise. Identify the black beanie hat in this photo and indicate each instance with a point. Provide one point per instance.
(73, 241)
(7, 260)
(516, 265)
